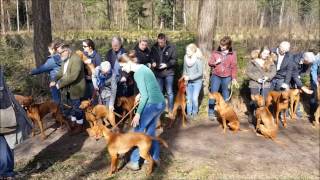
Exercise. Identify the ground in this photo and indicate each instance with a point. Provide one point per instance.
(198, 151)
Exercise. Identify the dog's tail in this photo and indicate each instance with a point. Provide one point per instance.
(163, 142)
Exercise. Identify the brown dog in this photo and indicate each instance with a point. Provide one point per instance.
(24, 101)
(317, 113)
(90, 67)
(98, 112)
(280, 100)
(294, 95)
(268, 128)
(180, 102)
(127, 103)
(225, 112)
(119, 143)
(36, 112)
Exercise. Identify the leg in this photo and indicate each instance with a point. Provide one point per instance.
(224, 87)
(55, 93)
(190, 89)
(169, 89)
(215, 82)
(6, 159)
(195, 96)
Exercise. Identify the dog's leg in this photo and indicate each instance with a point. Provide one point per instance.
(284, 119)
(258, 122)
(112, 119)
(113, 163)
(173, 115)
(41, 129)
(224, 124)
(184, 115)
(292, 106)
(144, 153)
(277, 115)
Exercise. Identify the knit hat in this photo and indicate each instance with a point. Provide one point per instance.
(105, 66)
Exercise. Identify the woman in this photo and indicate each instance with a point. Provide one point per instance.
(193, 73)
(151, 105)
(104, 81)
(52, 66)
(223, 63)
(94, 58)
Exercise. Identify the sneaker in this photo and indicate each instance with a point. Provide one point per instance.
(133, 166)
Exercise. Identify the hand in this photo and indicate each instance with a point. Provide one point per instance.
(265, 78)
(306, 90)
(260, 80)
(135, 120)
(154, 64)
(111, 108)
(88, 61)
(137, 98)
(52, 84)
(57, 85)
(186, 78)
(162, 66)
(218, 61)
(284, 86)
(149, 65)
(123, 79)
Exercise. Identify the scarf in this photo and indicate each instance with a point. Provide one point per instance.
(190, 61)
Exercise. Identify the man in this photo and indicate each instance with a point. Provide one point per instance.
(164, 58)
(284, 67)
(70, 79)
(143, 52)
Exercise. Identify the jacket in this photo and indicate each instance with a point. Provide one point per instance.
(286, 68)
(254, 71)
(73, 80)
(143, 57)
(315, 70)
(228, 65)
(194, 72)
(167, 55)
(52, 65)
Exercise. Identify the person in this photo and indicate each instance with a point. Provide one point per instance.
(143, 52)
(193, 74)
(70, 79)
(104, 81)
(223, 63)
(284, 67)
(260, 70)
(151, 106)
(315, 80)
(164, 57)
(52, 66)
(93, 58)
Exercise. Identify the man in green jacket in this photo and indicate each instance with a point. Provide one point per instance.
(70, 79)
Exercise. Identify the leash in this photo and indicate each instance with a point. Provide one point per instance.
(126, 115)
(231, 87)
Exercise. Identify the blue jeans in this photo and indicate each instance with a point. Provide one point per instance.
(148, 122)
(193, 90)
(217, 83)
(75, 111)
(168, 82)
(55, 93)
(6, 159)
(276, 84)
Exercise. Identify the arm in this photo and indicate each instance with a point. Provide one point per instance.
(184, 72)
(234, 66)
(313, 72)
(113, 90)
(60, 73)
(272, 72)
(76, 65)
(97, 61)
(251, 73)
(199, 73)
(46, 67)
(143, 92)
(95, 78)
(173, 58)
(212, 61)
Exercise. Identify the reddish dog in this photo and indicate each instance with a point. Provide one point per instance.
(280, 100)
(90, 67)
(225, 112)
(24, 101)
(36, 112)
(294, 95)
(120, 143)
(180, 102)
(127, 103)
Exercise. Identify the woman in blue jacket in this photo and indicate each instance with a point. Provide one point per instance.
(51, 66)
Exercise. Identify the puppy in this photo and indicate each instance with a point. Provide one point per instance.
(180, 102)
(265, 120)
(294, 95)
(36, 112)
(127, 103)
(24, 101)
(280, 101)
(225, 112)
(96, 113)
(119, 143)
(90, 67)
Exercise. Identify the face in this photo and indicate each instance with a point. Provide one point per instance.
(282, 51)
(126, 66)
(64, 55)
(162, 43)
(115, 46)
(143, 45)
(85, 47)
(224, 48)
(265, 53)
(189, 52)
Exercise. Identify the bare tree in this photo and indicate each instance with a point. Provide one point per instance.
(184, 15)
(173, 14)
(206, 33)
(27, 15)
(3, 29)
(18, 21)
(281, 13)
(9, 20)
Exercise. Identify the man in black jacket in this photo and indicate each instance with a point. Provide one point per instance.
(164, 58)
(284, 67)
(143, 52)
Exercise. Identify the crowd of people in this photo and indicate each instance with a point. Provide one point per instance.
(147, 71)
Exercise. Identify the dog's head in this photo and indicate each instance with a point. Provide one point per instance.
(284, 97)
(85, 104)
(255, 54)
(217, 97)
(294, 92)
(81, 55)
(259, 99)
(182, 85)
(121, 100)
(32, 110)
(97, 131)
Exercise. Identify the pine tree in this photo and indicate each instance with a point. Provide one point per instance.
(136, 12)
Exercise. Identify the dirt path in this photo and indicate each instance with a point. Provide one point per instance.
(199, 151)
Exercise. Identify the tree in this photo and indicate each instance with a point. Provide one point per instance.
(206, 33)
(18, 19)
(136, 12)
(2, 17)
(164, 10)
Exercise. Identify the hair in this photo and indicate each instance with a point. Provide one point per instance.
(116, 39)
(55, 45)
(130, 56)
(162, 36)
(262, 49)
(226, 41)
(193, 47)
(285, 45)
(255, 54)
(90, 43)
(143, 38)
(66, 47)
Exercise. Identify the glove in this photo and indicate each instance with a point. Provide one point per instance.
(284, 86)
(260, 80)
(162, 66)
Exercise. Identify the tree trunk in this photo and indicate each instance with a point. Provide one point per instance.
(184, 15)
(3, 29)
(262, 18)
(173, 14)
(18, 21)
(205, 34)
(161, 23)
(152, 14)
(281, 13)
(9, 20)
(27, 15)
(138, 23)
